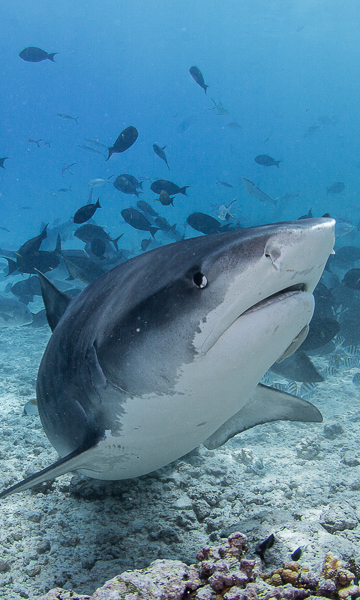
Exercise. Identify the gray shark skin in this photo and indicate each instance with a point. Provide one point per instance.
(165, 351)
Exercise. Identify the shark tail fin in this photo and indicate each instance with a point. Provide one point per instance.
(70, 462)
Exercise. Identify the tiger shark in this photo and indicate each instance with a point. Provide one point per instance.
(166, 351)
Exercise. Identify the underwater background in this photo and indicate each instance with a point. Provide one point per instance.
(283, 88)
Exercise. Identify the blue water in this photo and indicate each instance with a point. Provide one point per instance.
(278, 67)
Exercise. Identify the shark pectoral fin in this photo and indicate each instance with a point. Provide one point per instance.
(264, 405)
(56, 302)
(70, 462)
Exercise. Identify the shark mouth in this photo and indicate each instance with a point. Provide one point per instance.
(276, 297)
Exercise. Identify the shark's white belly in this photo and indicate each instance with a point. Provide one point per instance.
(159, 429)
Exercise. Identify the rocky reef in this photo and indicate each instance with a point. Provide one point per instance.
(224, 573)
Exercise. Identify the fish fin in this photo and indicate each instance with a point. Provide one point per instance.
(298, 367)
(56, 302)
(163, 148)
(153, 230)
(264, 405)
(58, 244)
(51, 56)
(12, 266)
(167, 166)
(183, 189)
(97, 205)
(115, 241)
(68, 463)
(277, 162)
(111, 151)
(205, 87)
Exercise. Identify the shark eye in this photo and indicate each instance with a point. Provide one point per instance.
(200, 280)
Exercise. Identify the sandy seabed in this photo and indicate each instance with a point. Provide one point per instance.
(298, 481)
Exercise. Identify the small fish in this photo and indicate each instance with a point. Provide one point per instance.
(351, 350)
(161, 154)
(47, 143)
(137, 220)
(223, 212)
(165, 199)
(233, 125)
(96, 143)
(85, 213)
(309, 215)
(256, 192)
(352, 279)
(356, 379)
(68, 117)
(329, 371)
(292, 388)
(220, 108)
(127, 184)
(33, 54)
(296, 555)
(125, 140)
(267, 161)
(98, 247)
(5, 229)
(145, 244)
(24, 207)
(311, 130)
(268, 137)
(224, 183)
(203, 223)
(287, 197)
(265, 545)
(2, 161)
(32, 141)
(65, 168)
(68, 189)
(90, 149)
(197, 75)
(146, 208)
(96, 183)
(336, 188)
(168, 186)
(31, 408)
(307, 389)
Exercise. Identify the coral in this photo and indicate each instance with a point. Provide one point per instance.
(223, 573)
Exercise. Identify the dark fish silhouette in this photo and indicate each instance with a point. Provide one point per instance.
(168, 186)
(33, 245)
(125, 140)
(98, 247)
(68, 118)
(203, 223)
(336, 188)
(197, 75)
(137, 220)
(2, 161)
(125, 183)
(82, 268)
(225, 184)
(164, 225)
(33, 54)
(308, 216)
(352, 279)
(233, 125)
(266, 161)
(33, 141)
(26, 289)
(296, 554)
(145, 243)
(161, 154)
(30, 260)
(165, 199)
(86, 212)
(86, 233)
(321, 331)
(146, 208)
(265, 545)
